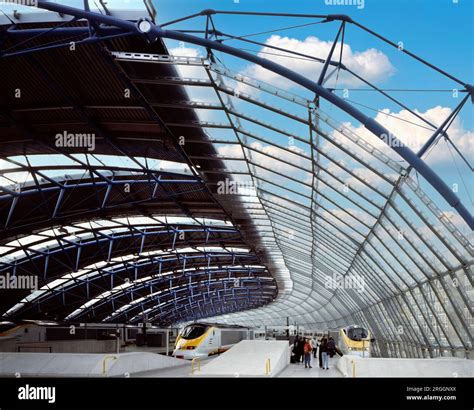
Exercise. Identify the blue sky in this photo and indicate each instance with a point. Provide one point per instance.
(440, 32)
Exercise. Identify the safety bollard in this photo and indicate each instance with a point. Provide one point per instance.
(198, 364)
(267, 367)
(104, 361)
(353, 368)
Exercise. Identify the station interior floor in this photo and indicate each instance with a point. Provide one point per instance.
(298, 369)
(292, 370)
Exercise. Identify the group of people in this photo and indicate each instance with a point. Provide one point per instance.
(303, 347)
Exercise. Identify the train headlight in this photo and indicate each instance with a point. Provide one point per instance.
(350, 348)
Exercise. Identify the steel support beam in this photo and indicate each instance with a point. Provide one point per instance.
(152, 32)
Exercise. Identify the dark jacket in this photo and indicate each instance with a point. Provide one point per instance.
(300, 346)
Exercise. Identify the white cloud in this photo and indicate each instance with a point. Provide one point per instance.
(288, 203)
(459, 223)
(188, 70)
(371, 64)
(203, 94)
(268, 162)
(409, 134)
(356, 214)
(414, 136)
(372, 179)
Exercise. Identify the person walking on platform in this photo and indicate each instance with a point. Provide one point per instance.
(331, 347)
(296, 350)
(307, 354)
(300, 348)
(320, 352)
(324, 353)
(315, 347)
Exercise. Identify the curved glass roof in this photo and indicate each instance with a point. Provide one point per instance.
(363, 237)
(221, 190)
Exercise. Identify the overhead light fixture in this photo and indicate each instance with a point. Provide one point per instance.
(144, 26)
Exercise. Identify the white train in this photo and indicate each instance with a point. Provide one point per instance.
(355, 340)
(33, 332)
(205, 339)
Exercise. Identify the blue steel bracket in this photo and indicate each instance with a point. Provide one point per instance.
(470, 90)
(341, 17)
(208, 12)
(373, 126)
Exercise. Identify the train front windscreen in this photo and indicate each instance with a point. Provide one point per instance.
(193, 331)
(357, 333)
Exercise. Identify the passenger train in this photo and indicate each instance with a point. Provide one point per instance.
(205, 339)
(37, 331)
(355, 340)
